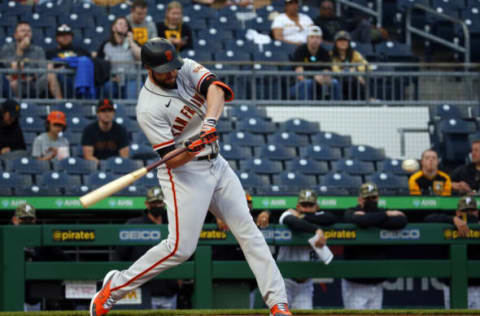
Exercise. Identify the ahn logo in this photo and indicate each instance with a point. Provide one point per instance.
(140, 235)
(410, 234)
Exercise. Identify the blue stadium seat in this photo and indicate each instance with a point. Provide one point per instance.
(6, 192)
(224, 126)
(29, 137)
(319, 152)
(288, 139)
(75, 109)
(75, 20)
(142, 152)
(296, 180)
(140, 138)
(252, 180)
(75, 166)
(232, 152)
(98, 178)
(27, 165)
(77, 123)
(32, 124)
(259, 24)
(300, 126)
(37, 20)
(277, 190)
(242, 111)
(14, 180)
(307, 166)
(54, 179)
(197, 24)
(277, 51)
(197, 55)
(38, 191)
(119, 165)
(122, 9)
(129, 124)
(444, 111)
(232, 56)
(207, 43)
(78, 190)
(393, 166)
(90, 9)
(149, 180)
(342, 181)
(132, 190)
(74, 138)
(244, 139)
(52, 8)
(325, 190)
(261, 166)
(366, 153)
(241, 45)
(76, 151)
(256, 125)
(395, 52)
(310, 10)
(31, 109)
(450, 4)
(354, 167)
(276, 152)
(200, 11)
(474, 137)
(12, 8)
(365, 49)
(389, 183)
(455, 138)
(8, 21)
(213, 34)
(332, 139)
(226, 23)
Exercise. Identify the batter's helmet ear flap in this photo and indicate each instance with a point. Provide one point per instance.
(160, 55)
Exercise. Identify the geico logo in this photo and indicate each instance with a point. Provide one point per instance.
(140, 235)
(282, 234)
(402, 234)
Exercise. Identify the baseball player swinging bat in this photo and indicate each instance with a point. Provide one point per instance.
(116, 185)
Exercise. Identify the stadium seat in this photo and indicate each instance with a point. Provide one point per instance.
(129, 124)
(200, 11)
(389, 183)
(242, 111)
(197, 24)
(132, 190)
(14, 180)
(122, 9)
(75, 20)
(276, 152)
(395, 52)
(332, 139)
(444, 111)
(75, 166)
(78, 190)
(33, 110)
(6, 192)
(256, 125)
(206, 43)
(142, 152)
(8, 21)
(307, 166)
(252, 180)
(259, 24)
(77, 123)
(119, 165)
(27, 165)
(261, 166)
(288, 139)
(197, 55)
(455, 138)
(52, 8)
(90, 9)
(213, 34)
(295, 180)
(61, 180)
(319, 152)
(32, 124)
(140, 138)
(29, 137)
(38, 191)
(149, 180)
(393, 166)
(74, 138)
(366, 153)
(473, 137)
(232, 56)
(232, 152)
(224, 126)
(244, 139)
(331, 191)
(354, 167)
(277, 190)
(98, 178)
(336, 180)
(74, 109)
(226, 23)
(300, 126)
(12, 7)
(241, 45)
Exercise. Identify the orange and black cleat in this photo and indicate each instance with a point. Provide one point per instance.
(280, 309)
(102, 302)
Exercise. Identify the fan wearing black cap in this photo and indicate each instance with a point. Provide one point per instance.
(105, 138)
(12, 144)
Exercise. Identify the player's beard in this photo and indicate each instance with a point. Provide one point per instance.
(165, 85)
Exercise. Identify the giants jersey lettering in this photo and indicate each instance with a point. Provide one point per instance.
(169, 117)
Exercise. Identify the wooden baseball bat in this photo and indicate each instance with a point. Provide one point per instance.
(116, 185)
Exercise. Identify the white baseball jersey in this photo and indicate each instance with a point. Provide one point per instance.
(170, 117)
(191, 190)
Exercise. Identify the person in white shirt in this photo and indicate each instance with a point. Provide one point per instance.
(291, 27)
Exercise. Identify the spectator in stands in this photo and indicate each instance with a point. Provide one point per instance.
(429, 180)
(206, 2)
(467, 213)
(65, 49)
(108, 3)
(12, 143)
(466, 179)
(21, 55)
(291, 27)
(331, 24)
(143, 30)
(368, 293)
(312, 52)
(174, 29)
(105, 138)
(25, 214)
(163, 292)
(305, 218)
(241, 3)
(51, 145)
(122, 51)
(353, 87)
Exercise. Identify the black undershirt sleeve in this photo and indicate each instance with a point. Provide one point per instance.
(165, 150)
(299, 225)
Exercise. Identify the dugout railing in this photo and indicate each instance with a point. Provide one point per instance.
(203, 270)
(267, 82)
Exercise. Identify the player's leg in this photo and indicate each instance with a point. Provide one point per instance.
(187, 204)
(229, 202)
(352, 295)
(474, 297)
(375, 292)
(304, 295)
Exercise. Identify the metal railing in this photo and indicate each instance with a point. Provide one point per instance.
(277, 83)
(377, 13)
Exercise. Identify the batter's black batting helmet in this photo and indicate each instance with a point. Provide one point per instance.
(160, 55)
